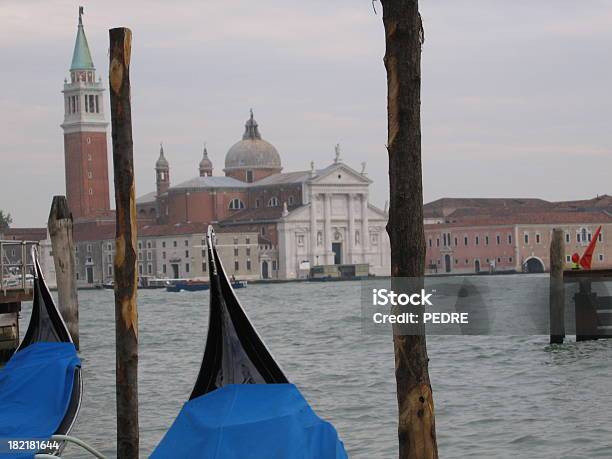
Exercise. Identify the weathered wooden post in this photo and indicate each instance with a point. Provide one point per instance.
(62, 243)
(557, 289)
(404, 37)
(126, 312)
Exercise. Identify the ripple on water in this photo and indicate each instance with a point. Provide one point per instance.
(495, 396)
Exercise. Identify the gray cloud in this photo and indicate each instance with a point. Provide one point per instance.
(516, 98)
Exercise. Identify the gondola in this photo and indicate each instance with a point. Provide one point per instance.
(242, 404)
(41, 385)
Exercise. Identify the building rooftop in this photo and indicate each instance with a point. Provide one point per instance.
(528, 218)
(210, 182)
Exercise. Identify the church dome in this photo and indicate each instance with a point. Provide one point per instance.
(252, 152)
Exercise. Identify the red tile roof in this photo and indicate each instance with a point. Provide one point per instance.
(24, 234)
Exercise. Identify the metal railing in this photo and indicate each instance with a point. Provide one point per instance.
(16, 267)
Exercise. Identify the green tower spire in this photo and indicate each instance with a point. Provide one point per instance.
(81, 57)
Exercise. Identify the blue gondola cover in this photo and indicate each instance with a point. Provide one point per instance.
(239, 421)
(35, 389)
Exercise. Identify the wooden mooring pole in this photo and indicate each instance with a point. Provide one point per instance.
(126, 312)
(62, 243)
(557, 289)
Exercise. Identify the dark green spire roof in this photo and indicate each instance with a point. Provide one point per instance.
(81, 57)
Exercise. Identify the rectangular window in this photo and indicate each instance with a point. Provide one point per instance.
(537, 238)
(186, 243)
(140, 269)
(236, 265)
(498, 239)
(164, 244)
(86, 104)
(438, 242)
(186, 267)
(465, 241)
(456, 242)
(89, 248)
(567, 238)
(430, 243)
(110, 270)
(247, 240)
(600, 238)
(186, 253)
(150, 269)
(568, 258)
(203, 253)
(204, 266)
(248, 265)
(486, 240)
(175, 243)
(164, 255)
(164, 269)
(477, 240)
(526, 238)
(601, 257)
(235, 251)
(273, 265)
(248, 251)
(235, 240)
(509, 238)
(510, 259)
(97, 105)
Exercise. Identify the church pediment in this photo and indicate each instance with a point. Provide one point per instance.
(340, 174)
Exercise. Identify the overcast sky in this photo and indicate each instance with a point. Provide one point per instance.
(516, 94)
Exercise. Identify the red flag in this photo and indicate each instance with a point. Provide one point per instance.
(587, 257)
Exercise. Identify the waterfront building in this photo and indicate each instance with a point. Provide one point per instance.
(166, 252)
(305, 219)
(512, 235)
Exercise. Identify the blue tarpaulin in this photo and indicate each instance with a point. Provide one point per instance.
(250, 421)
(35, 389)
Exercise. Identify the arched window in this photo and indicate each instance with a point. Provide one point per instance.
(236, 204)
(583, 233)
(273, 202)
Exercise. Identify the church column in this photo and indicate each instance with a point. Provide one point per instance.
(328, 236)
(313, 229)
(351, 228)
(365, 235)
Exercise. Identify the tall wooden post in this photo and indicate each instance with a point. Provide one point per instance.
(557, 289)
(126, 312)
(403, 36)
(62, 243)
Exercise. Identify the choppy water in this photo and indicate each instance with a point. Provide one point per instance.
(495, 396)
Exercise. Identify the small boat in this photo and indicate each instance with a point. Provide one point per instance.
(41, 386)
(197, 286)
(242, 404)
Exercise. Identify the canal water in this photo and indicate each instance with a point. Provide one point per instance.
(495, 396)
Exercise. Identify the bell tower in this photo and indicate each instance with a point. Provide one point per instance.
(85, 151)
